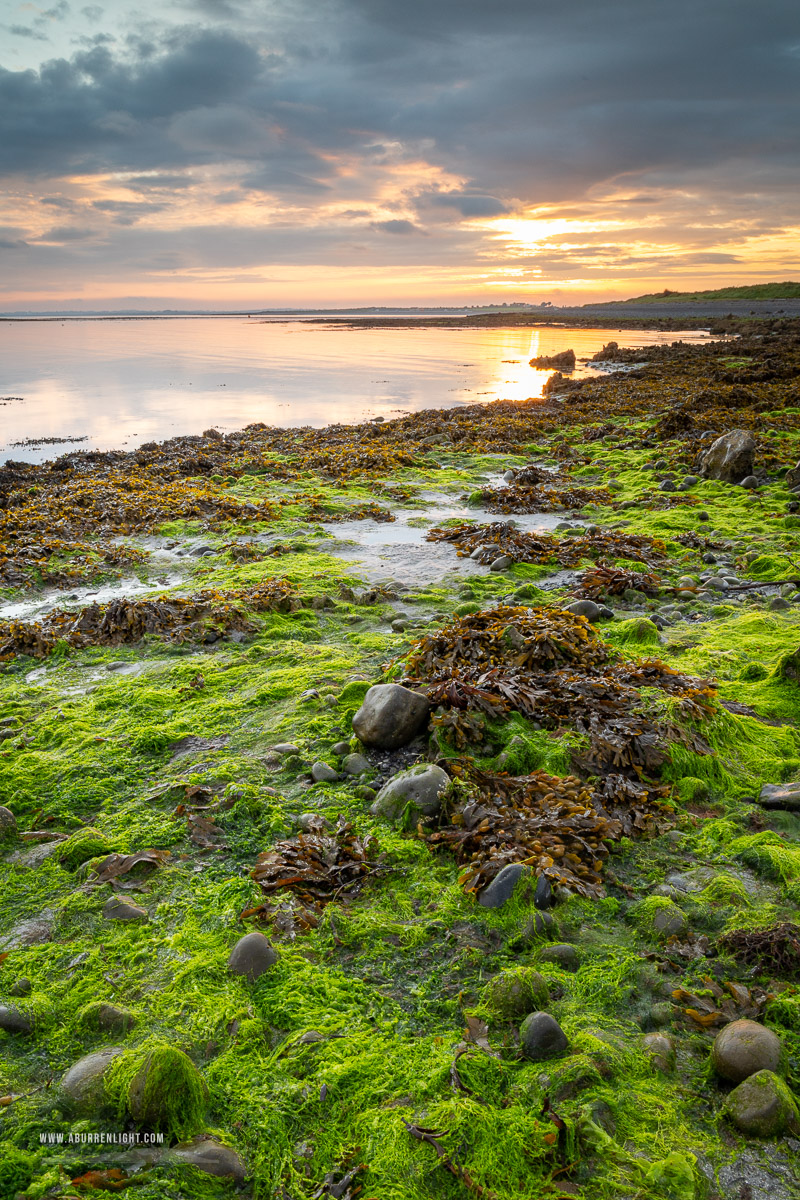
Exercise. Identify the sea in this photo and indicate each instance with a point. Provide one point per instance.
(114, 383)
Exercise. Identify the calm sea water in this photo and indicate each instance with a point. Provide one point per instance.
(119, 383)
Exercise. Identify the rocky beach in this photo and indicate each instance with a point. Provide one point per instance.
(411, 809)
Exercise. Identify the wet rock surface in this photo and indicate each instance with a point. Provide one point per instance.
(390, 716)
(542, 1038)
(252, 955)
(418, 790)
(743, 1048)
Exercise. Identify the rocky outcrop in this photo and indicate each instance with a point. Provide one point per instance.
(419, 790)
(390, 716)
(730, 457)
(564, 361)
(762, 1106)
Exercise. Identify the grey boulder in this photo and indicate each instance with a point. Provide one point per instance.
(83, 1082)
(390, 716)
(206, 1154)
(322, 773)
(355, 764)
(503, 886)
(744, 1048)
(420, 787)
(762, 1106)
(14, 1021)
(252, 955)
(542, 1037)
(775, 795)
(8, 822)
(730, 457)
(585, 608)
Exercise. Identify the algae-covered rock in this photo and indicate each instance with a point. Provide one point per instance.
(763, 1106)
(99, 1015)
(167, 1093)
(788, 666)
(117, 909)
(562, 955)
(390, 716)
(730, 457)
(81, 846)
(13, 1020)
(252, 955)
(418, 790)
(513, 993)
(8, 824)
(504, 884)
(659, 917)
(542, 1037)
(673, 1177)
(541, 926)
(638, 630)
(775, 795)
(206, 1154)
(660, 1049)
(84, 1083)
(743, 1048)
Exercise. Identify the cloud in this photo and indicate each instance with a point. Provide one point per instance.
(467, 203)
(400, 226)
(26, 31)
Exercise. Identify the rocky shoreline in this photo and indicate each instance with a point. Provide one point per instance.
(411, 809)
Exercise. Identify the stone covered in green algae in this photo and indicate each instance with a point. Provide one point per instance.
(763, 1106)
(514, 993)
(167, 1093)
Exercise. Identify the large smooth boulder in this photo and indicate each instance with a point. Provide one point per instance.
(763, 1106)
(730, 457)
(14, 1021)
(420, 787)
(511, 994)
(83, 1084)
(542, 1037)
(8, 822)
(390, 716)
(167, 1093)
(776, 795)
(743, 1048)
(252, 955)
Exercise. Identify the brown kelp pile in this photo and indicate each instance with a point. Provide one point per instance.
(550, 666)
(485, 542)
(206, 615)
(29, 562)
(544, 499)
(318, 866)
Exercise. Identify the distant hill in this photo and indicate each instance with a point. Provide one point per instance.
(753, 291)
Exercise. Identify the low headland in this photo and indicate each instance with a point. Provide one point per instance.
(410, 810)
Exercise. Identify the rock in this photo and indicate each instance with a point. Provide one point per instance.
(502, 887)
(355, 764)
(420, 787)
(743, 1048)
(108, 1017)
(660, 1049)
(167, 1093)
(83, 1082)
(689, 481)
(116, 909)
(542, 1037)
(205, 1153)
(8, 823)
(21, 987)
(750, 482)
(541, 925)
(543, 896)
(585, 608)
(252, 955)
(364, 792)
(340, 749)
(730, 457)
(778, 604)
(322, 773)
(30, 932)
(313, 822)
(390, 716)
(667, 485)
(562, 954)
(513, 993)
(287, 748)
(669, 921)
(502, 563)
(14, 1021)
(763, 1106)
(564, 361)
(776, 795)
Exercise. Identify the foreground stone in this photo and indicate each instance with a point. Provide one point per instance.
(8, 822)
(503, 886)
(390, 716)
(563, 955)
(513, 993)
(542, 1037)
(420, 787)
(108, 1017)
(762, 1106)
(206, 1154)
(83, 1083)
(775, 795)
(252, 955)
(120, 910)
(744, 1048)
(730, 457)
(166, 1091)
(660, 1050)
(14, 1021)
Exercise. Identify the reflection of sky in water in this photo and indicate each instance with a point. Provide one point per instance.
(126, 382)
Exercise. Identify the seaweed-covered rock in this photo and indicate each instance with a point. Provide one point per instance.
(84, 1082)
(585, 608)
(743, 1048)
(8, 823)
(117, 909)
(660, 1049)
(776, 795)
(252, 955)
(763, 1106)
(660, 918)
(730, 457)
(14, 1021)
(542, 1037)
(562, 955)
(503, 886)
(513, 993)
(110, 1018)
(81, 846)
(420, 787)
(168, 1093)
(541, 926)
(390, 716)
(206, 1154)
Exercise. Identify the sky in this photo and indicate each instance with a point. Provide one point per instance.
(267, 153)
